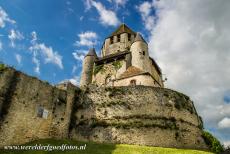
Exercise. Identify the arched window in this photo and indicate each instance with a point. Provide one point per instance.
(133, 83)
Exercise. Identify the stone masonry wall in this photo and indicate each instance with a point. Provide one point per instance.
(112, 70)
(21, 98)
(31, 109)
(138, 115)
(143, 79)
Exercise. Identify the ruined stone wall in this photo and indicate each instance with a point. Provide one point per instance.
(32, 109)
(138, 115)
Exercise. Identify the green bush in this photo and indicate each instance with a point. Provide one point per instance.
(2, 67)
(117, 65)
(213, 143)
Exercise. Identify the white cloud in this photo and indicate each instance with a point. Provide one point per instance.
(226, 144)
(107, 17)
(146, 9)
(81, 18)
(18, 58)
(15, 35)
(87, 38)
(224, 123)
(190, 42)
(75, 80)
(47, 53)
(50, 56)
(87, 4)
(68, 3)
(4, 18)
(37, 63)
(118, 2)
(74, 69)
(79, 54)
(34, 37)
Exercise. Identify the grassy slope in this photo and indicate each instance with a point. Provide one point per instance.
(95, 148)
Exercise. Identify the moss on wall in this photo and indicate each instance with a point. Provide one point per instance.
(2, 67)
(117, 65)
(98, 68)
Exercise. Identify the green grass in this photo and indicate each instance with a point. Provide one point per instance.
(96, 148)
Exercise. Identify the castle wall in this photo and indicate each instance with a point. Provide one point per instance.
(132, 115)
(145, 80)
(154, 73)
(32, 109)
(113, 69)
(138, 115)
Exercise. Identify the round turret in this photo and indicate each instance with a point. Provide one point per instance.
(139, 51)
(87, 68)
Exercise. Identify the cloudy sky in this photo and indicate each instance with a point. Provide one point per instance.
(189, 39)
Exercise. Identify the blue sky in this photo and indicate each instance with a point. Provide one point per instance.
(57, 24)
(189, 40)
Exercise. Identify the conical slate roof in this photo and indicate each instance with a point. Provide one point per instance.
(139, 38)
(91, 52)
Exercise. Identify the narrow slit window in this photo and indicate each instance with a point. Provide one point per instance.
(118, 38)
(129, 37)
(111, 40)
(143, 52)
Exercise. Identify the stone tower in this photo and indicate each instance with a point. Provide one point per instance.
(124, 61)
(139, 52)
(120, 40)
(87, 70)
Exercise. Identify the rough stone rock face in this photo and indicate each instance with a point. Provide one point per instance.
(137, 115)
(21, 97)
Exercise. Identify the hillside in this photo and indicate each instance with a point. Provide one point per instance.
(96, 148)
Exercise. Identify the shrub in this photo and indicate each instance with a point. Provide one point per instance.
(2, 67)
(213, 143)
(201, 126)
(117, 65)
